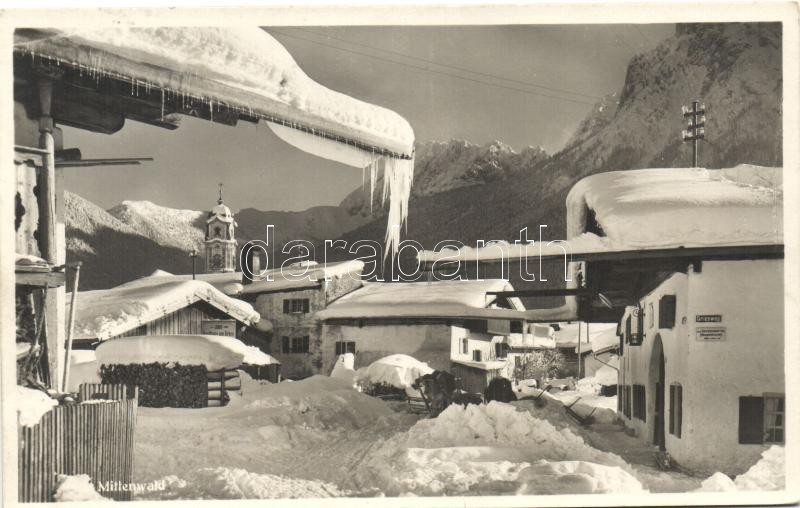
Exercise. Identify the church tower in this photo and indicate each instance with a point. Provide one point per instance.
(220, 240)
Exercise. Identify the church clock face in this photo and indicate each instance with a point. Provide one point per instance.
(216, 261)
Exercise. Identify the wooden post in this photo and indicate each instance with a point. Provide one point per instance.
(579, 349)
(71, 325)
(51, 235)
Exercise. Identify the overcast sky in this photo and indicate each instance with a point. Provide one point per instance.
(523, 85)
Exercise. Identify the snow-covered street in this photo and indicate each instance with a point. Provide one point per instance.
(319, 437)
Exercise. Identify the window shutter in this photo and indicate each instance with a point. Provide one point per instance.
(286, 308)
(671, 407)
(751, 420)
(285, 346)
(305, 305)
(666, 311)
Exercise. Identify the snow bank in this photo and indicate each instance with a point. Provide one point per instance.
(576, 477)
(465, 449)
(398, 370)
(83, 368)
(32, 405)
(343, 369)
(604, 376)
(105, 313)
(76, 488)
(213, 351)
(769, 473)
(236, 483)
(457, 298)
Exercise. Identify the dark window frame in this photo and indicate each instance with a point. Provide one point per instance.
(477, 355)
(296, 306)
(345, 346)
(639, 395)
(667, 311)
(676, 409)
(295, 345)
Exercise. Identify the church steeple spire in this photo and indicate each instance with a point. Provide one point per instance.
(220, 239)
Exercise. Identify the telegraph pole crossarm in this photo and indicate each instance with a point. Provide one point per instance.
(696, 126)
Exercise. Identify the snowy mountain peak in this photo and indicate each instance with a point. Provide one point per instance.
(167, 226)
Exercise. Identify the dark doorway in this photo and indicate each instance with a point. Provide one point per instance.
(658, 431)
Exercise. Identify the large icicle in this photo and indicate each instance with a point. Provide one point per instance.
(398, 174)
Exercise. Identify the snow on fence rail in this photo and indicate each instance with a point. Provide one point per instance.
(95, 439)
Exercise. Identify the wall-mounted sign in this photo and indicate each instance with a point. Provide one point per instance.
(224, 327)
(710, 333)
(708, 318)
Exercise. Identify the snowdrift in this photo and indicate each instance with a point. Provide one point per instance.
(769, 473)
(398, 370)
(486, 448)
(32, 405)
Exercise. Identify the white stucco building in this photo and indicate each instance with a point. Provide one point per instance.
(698, 261)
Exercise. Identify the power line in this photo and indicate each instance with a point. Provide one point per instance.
(395, 62)
(454, 67)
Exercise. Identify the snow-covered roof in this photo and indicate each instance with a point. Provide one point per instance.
(237, 67)
(538, 336)
(681, 207)
(213, 351)
(445, 299)
(105, 313)
(601, 336)
(657, 209)
(303, 276)
(229, 283)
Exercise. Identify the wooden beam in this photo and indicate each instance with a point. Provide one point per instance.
(102, 162)
(532, 293)
(40, 279)
(736, 253)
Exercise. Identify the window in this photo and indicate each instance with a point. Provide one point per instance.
(675, 409)
(516, 327)
(773, 418)
(343, 347)
(465, 346)
(666, 311)
(637, 326)
(628, 330)
(761, 419)
(501, 350)
(651, 317)
(295, 306)
(476, 355)
(639, 403)
(293, 345)
(626, 400)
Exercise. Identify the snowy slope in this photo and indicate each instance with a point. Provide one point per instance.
(735, 69)
(112, 251)
(442, 166)
(164, 225)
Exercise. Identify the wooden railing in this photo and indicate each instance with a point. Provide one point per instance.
(96, 439)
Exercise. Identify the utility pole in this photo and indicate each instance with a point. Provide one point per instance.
(193, 255)
(696, 123)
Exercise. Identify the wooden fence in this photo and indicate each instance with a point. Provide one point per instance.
(95, 439)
